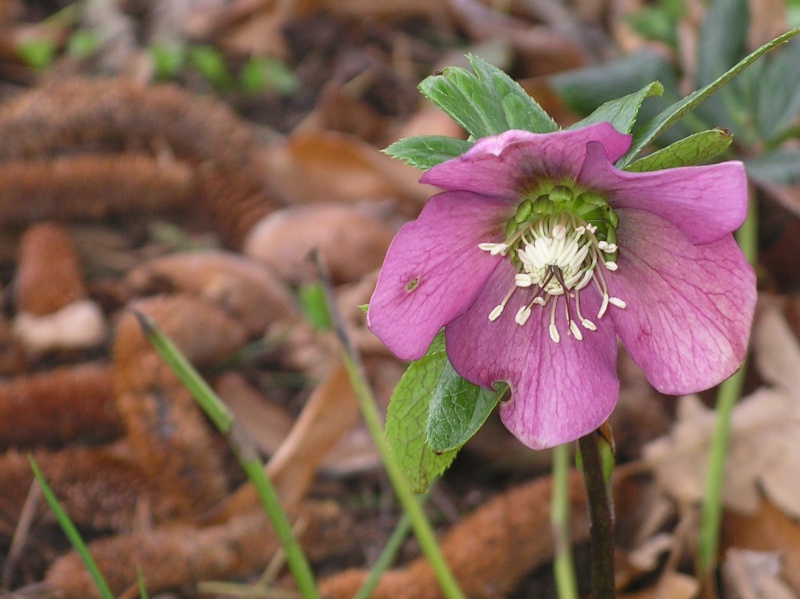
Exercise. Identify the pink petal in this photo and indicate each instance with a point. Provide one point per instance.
(705, 202)
(439, 251)
(509, 164)
(560, 391)
(689, 307)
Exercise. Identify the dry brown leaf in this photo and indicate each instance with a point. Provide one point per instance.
(328, 414)
(365, 10)
(768, 529)
(351, 239)
(765, 426)
(265, 422)
(324, 166)
(429, 120)
(541, 49)
(672, 585)
(748, 574)
(246, 289)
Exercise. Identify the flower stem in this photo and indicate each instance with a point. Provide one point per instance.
(563, 567)
(711, 509)
(601, 518)
(372, 419)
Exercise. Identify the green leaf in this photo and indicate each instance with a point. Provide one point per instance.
(486, 102)
(675, 112)
(36, 53)
(312, 303)
(458, 409)
(407, 416)
(167, 59)
(621, 112)
(584, 90)
(265, 73)
(425, 151)
(722, 39)
(83, 43)
(695, 149)
(778, 167)
(208, 61)
(778, 94)
(721, 44)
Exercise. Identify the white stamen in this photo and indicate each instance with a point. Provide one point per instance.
(557, 255)
(603, 306)
(523, 280)
(615, 301)
(522, 316)
(494, 314)
(494, 248)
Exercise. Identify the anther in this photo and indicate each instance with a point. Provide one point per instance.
(522, 316)
(615, 301)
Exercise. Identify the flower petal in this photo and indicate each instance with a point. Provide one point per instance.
(433, 270)
(689, 307)
(704, 202)
(560, 391)
(509, 164)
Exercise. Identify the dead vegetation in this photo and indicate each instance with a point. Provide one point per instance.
(91, 168)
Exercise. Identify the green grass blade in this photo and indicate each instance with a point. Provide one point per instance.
(243, 448)
(71, 532)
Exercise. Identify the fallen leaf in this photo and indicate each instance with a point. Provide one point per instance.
(246, 289)
(763, 451)
(351, 239)
(672, 585)
(748, 574)
(321, 166)
(767, 529)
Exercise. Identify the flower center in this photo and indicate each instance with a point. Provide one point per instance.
(559, 242)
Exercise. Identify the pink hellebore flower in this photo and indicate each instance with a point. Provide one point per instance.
(540, 253)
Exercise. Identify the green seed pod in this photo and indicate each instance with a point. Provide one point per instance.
(523, 211)
(611, 235)
(541, 205)
(612, 217)
(591, 198)
(561, 193)
(511, 228)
